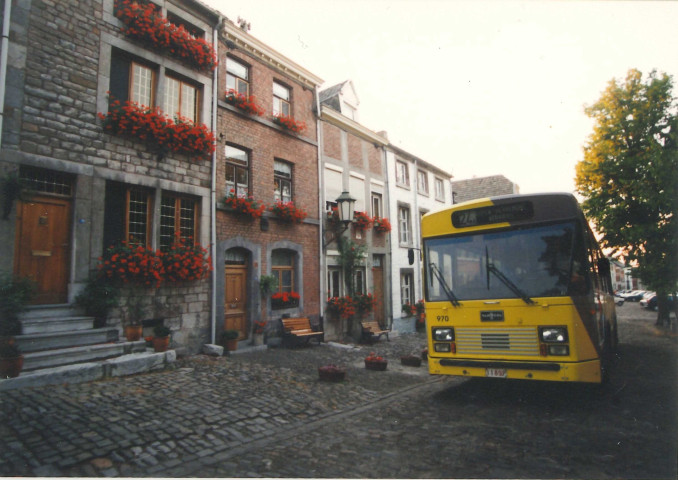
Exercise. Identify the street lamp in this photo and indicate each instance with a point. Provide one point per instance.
(345, 207)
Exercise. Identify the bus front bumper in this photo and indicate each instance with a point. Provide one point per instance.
(588, 371)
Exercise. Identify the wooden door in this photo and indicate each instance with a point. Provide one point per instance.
(235, 299)
(43, 246)
(378, 286)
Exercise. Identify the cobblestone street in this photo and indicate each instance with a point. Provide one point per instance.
(266, 414)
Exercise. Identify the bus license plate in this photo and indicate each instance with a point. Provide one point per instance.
(496, 372)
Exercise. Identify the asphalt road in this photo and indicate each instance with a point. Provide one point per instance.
(266, 414)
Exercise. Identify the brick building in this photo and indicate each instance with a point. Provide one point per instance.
(94, 187)
(259, 158)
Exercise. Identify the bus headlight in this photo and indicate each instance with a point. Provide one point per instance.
(443, 334)
(553, 334)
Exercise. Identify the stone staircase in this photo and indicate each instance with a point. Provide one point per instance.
(61, 345)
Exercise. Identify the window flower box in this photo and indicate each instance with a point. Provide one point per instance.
(381, 225)
(284, 300)
(244, 207)
(289, 123)
(186, 263)
(362, 220)
(151, 125)
(145, 23)
(244, 103)
(288, 212)
(375, 362)
(344, 307)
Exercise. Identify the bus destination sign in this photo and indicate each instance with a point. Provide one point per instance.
(509, 212)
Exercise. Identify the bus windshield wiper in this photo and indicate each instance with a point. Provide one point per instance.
(505, 280)
(448, 291)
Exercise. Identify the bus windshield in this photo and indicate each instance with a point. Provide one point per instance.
(522, 263)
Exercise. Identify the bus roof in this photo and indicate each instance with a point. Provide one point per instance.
(501, 211)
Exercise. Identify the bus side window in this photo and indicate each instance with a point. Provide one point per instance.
(580, 278)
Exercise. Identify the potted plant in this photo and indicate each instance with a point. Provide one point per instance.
(161, 338)
(268, 284)
(285, 300)
(247, 104)
(331, 373)
(13, 188)
(15, 293)
(289, 123)
(11, 361)
(362, 221)
(132, 319)
(258, 332)
(229, 339)
(98, 298)
(375, 362)
(381, 225)
(410, 360)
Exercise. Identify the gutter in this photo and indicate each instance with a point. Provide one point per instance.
(213, 191)
(321, 210)
(4, 45)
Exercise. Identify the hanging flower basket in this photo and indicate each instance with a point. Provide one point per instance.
(151, 125)
(288, 212)
(244, 207)
(145, 23)
(381, 225)
(375, 362)
(243, 102)
(331, 373)
(289, 123)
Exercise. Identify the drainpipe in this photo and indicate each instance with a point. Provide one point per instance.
(321, 209)
(4, 45)
(416, 238)
(213, 193)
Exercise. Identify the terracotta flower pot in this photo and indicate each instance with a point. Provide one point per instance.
(378, 365)
(10, 367)
(160, 344)
(133, 332)
(232, 345)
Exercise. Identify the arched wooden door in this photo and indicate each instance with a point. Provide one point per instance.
(43, 246)
(235, 299)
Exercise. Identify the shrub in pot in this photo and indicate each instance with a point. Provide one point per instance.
(11, 361)
(161, 338)
(98, 298)
(229, 339)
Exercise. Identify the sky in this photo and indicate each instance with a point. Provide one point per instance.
(476, 88)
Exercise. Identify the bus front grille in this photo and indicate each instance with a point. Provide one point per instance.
(497, 341)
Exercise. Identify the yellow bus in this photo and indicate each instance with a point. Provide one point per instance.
(517, 287)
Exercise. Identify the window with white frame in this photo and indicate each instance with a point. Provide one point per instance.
(402, 174)
(359, 280)
(334, 287)
(422, 182)
(281, 99)
(141, 84)
(404, 225)
(282, 180)
(237, 76)
(178, 219)
(406, 287)
(237, 171)
(377, 205)
(440, 189)
(282, 267)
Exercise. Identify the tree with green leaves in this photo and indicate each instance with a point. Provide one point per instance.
(629, 178)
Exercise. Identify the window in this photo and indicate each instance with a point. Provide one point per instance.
(359, 280)
(237, 77)
(348, 111)
(281, 99)
(422, 182)
(404, 225)
(282, 178)
(237, 171)
(178, 219)
(141, 85)
(181, 99)
(376, 205)
(402, 174)
(138, 214)
(406, 288)
(282, 267)
(334, 282)
(440, 189)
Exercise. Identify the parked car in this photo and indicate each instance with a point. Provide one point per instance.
(618, 299)
(651, 303)
(634, 296)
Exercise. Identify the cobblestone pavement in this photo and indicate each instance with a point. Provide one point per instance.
(265, 414)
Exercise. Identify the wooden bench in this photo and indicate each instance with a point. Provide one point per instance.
(298, 329)
(372, 331)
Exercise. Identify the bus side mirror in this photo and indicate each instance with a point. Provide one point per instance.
(410, 256)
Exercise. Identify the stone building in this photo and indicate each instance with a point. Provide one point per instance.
(93, 187)
(482, 187)
(263, 158)
(416, 187)
(353, 161)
